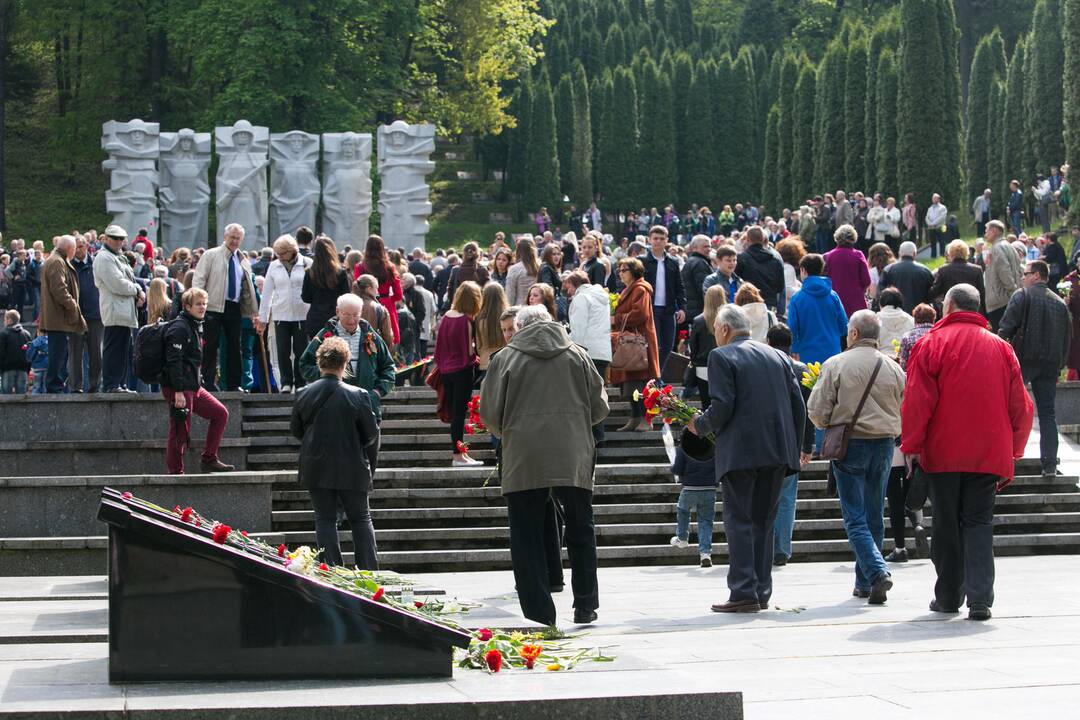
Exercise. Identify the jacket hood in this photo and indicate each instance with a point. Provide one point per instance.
(543, 340)
(593, 290)
(756, 312)
(817, 286)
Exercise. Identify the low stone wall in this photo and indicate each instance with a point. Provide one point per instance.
(1067, 403)
(101, 415)
(107, 457)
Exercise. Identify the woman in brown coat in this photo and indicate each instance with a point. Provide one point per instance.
(635, 309)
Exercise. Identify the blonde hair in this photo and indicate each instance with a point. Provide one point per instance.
(715, 298)
(526, 255)
(488, 330)
(191, 295)
(157, 301)
(284, 244)
(333, 354)
(957, 249)
(748, 293)
(467, 299)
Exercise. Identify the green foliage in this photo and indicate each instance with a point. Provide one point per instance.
(994, 149)
(854, 116)
(886, 35)
(1013, 135)
(657, 160)
(829, 149)
(1072, 92)
(618, 162)
(787, 123)
(885, 102)
(564, 128)
(516, 163)
(1046, 55)
(758, 23)
(542, 155)
(682, 85)
(580, 188)
(742, 166)
(696, 166)
(802, 156)
(980, 170)
(770, 168)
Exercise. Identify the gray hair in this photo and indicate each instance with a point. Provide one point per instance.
(160, 271)
(867, 324)
(845, 235)
(700, 241)
(735, 318)
(234, 227)
(530, 315)
(65, 241)
(350, 302)
(408, 280)
(908, 249)
(962, 298)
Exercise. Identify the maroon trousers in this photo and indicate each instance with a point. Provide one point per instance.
(206, 406)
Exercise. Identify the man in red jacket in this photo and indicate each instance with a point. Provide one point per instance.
(966, 417)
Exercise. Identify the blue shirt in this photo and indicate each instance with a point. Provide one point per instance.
(730, 285)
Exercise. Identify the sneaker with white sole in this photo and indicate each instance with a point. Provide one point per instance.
(286, 389)
(466, 461)
(679, 543)
(706, 560)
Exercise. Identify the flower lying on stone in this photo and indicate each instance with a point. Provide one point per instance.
(220, 533)
(483, 634)
(126, 496)
(281, 550)
(494, 660)
(378, 594)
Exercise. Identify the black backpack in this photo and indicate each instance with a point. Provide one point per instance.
(150, 352)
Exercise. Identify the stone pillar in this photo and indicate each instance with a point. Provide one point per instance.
(133, 175)
(346, 187)
(403, 198)
(185, 189)
(294, 183)
(241, 181)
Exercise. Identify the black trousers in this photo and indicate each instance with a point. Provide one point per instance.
(963, 541)
(554, 526)
(291, 343)
(937, 241)
(215, 324)
(91, 342)
(598, 429)
(325, 503)
(458, 387)
(751, 498)
(57, 374)
(115, 357)
(896, 492)
(527, 513)
(703, 392)
(995, 317)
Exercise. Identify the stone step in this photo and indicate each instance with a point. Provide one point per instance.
(439, 458)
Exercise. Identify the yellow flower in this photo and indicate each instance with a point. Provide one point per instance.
(554, 667)
(637, 396)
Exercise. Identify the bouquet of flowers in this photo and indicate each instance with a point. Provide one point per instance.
(474, 425)
(896, 349)
(613, 301)
(810, 377)
(664, 402)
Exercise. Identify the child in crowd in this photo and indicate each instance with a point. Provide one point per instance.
(14, 342)
(695, 469)
(38, 357)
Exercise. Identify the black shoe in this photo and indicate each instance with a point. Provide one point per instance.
(584, 617)
(859, 593)
(922, 542)
(978, 612)
(557, 588)
(881, 586)
(779, 559)
(763, 604)
(937, 607)
(898, 555)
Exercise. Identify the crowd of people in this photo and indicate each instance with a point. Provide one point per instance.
(735, 309)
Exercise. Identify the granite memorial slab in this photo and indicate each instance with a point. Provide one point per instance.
(185, 190)
(241, 181)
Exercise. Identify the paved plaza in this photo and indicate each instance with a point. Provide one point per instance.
(818, 653)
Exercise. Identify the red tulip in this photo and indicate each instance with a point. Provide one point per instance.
(494, 660)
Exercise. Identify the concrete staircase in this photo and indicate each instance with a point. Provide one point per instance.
(432, 517)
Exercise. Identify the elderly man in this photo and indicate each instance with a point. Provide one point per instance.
(958, 372)
(60, 314)
(757, 416)
(911, 278)
(90, 306)
(694, 271)
(120, 296)
(1003, 273)
(937, 216)
(517, 406)
(862, 388)
(1036, 322)
(224, 272)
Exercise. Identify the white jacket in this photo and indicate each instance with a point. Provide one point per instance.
(894, 325)
(117, 289)
(430, 311)
(590, 321)
(761, 319)
(281, 292)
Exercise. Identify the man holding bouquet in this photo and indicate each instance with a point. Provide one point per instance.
(757, 416)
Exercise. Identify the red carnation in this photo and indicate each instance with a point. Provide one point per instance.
(221, 533)
(483, 634)
(327, 335)
(186, 513)
(244, 533)
(418, 604)
(378, 595)
(493, 658)
(281, 550)
(176, 509)
(126, 496)
(324, 566)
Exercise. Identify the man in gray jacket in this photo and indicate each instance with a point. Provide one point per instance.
(547, 449)
(119, 296)
(1003, 274)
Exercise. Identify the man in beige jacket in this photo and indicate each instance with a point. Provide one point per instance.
(861, 475)
(1002, 275)
(224, 273)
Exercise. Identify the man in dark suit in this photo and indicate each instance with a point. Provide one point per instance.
(694, 271)
(757, 416)
(762, 267)
(669, 296)
(914, 280)
(418, 267)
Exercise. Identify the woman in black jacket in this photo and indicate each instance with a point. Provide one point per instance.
(181, 384)
(702, 341)
(334, 423)
(550, 261)
(589, 253)
(325, 281)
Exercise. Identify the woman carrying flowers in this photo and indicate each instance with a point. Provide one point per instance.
(633, 313)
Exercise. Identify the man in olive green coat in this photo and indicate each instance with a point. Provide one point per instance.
(542, 396)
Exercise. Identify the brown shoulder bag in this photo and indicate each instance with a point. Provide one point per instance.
(834, 444)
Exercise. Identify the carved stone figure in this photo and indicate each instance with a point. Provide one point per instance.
(241, 181)
(403, 199)
(346, 187)
(294, 185)
(133, 176)
(185, 190)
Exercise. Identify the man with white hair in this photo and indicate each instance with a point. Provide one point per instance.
(60, 314)
(757, 417)
(518, 406)
(862, 389)
(224, 272)
(912, 279)
(937, 216)
(1003, 273)
(956, 373)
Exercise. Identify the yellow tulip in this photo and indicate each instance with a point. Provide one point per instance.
(554, 666)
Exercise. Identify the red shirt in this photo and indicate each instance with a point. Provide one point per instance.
(389, 294)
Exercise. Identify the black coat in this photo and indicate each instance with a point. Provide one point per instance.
(912, 279)
(595, 270)
(323, 300)
(765, 270)
(757, 412)
(1044, 318)
(183, 354)
(674, 291)
(955, 273)
(701, 341)
(694, 271)
(334, 423)
(421, 269)
(12, 355)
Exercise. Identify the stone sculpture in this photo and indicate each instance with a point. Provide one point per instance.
(403, 199)
(294, 184)
(346, 187)
(241, 181)
(133, 176)
(185, 189)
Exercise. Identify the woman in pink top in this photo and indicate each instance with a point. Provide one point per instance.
(846, 267)
(910, 219)
(455, 356)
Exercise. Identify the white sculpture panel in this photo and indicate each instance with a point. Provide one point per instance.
(346, 187)
(403, 198)
(185, 190)
(294, 184)
(132, 172)
(241, 181)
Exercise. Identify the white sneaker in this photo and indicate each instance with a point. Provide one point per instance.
(679, 543)
(465, 461)
(286, 389)
(706, 560)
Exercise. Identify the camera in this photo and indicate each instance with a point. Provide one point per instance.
(180, 415)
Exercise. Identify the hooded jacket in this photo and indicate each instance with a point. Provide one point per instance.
(590, 321)
(542, 396)
(764, 269)
(761, 319)
(817, 320)
(14, 342)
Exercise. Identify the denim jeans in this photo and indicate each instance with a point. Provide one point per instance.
(39, 382)
(860, 482)
(1043, 381)
(702, 501)
(785, 516)
(56, 374)
(14, 382)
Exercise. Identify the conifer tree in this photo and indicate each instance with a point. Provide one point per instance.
(618, 144)
(998, 184)
(564, 128)
(854, 115)
(829, 149)
(542, 154)
(979, 172)
(615, 47)
(698, 171)
(683, 107)
(744, 166)
(519, 139)
(1013, 135)
(885, 95)
(770, 168)
(802, 156)
(952, 110)
(885, 35)
(580, 188)
(1071, 95)
(789, 110)
(1046, 53)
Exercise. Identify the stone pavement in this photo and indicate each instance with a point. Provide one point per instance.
(817, 653)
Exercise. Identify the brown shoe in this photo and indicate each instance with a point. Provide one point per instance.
(738, 606)
(216, 466)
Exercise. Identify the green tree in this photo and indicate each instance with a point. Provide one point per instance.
(617, 168)
(980, 170)
(790, 70)
(759, 23)
(697, 169)
(542, 155)
(681, 87)
(744, 166)
(1013, 132)
(657, 150)
(995, 148)
(1046, 53)
(854, 115)
(770, 168)
(829, 150)
(615, 47)
(802, 156)
(519, 140)
(1071, 97)
(885, 102)
(580, 188)
(564, 128)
